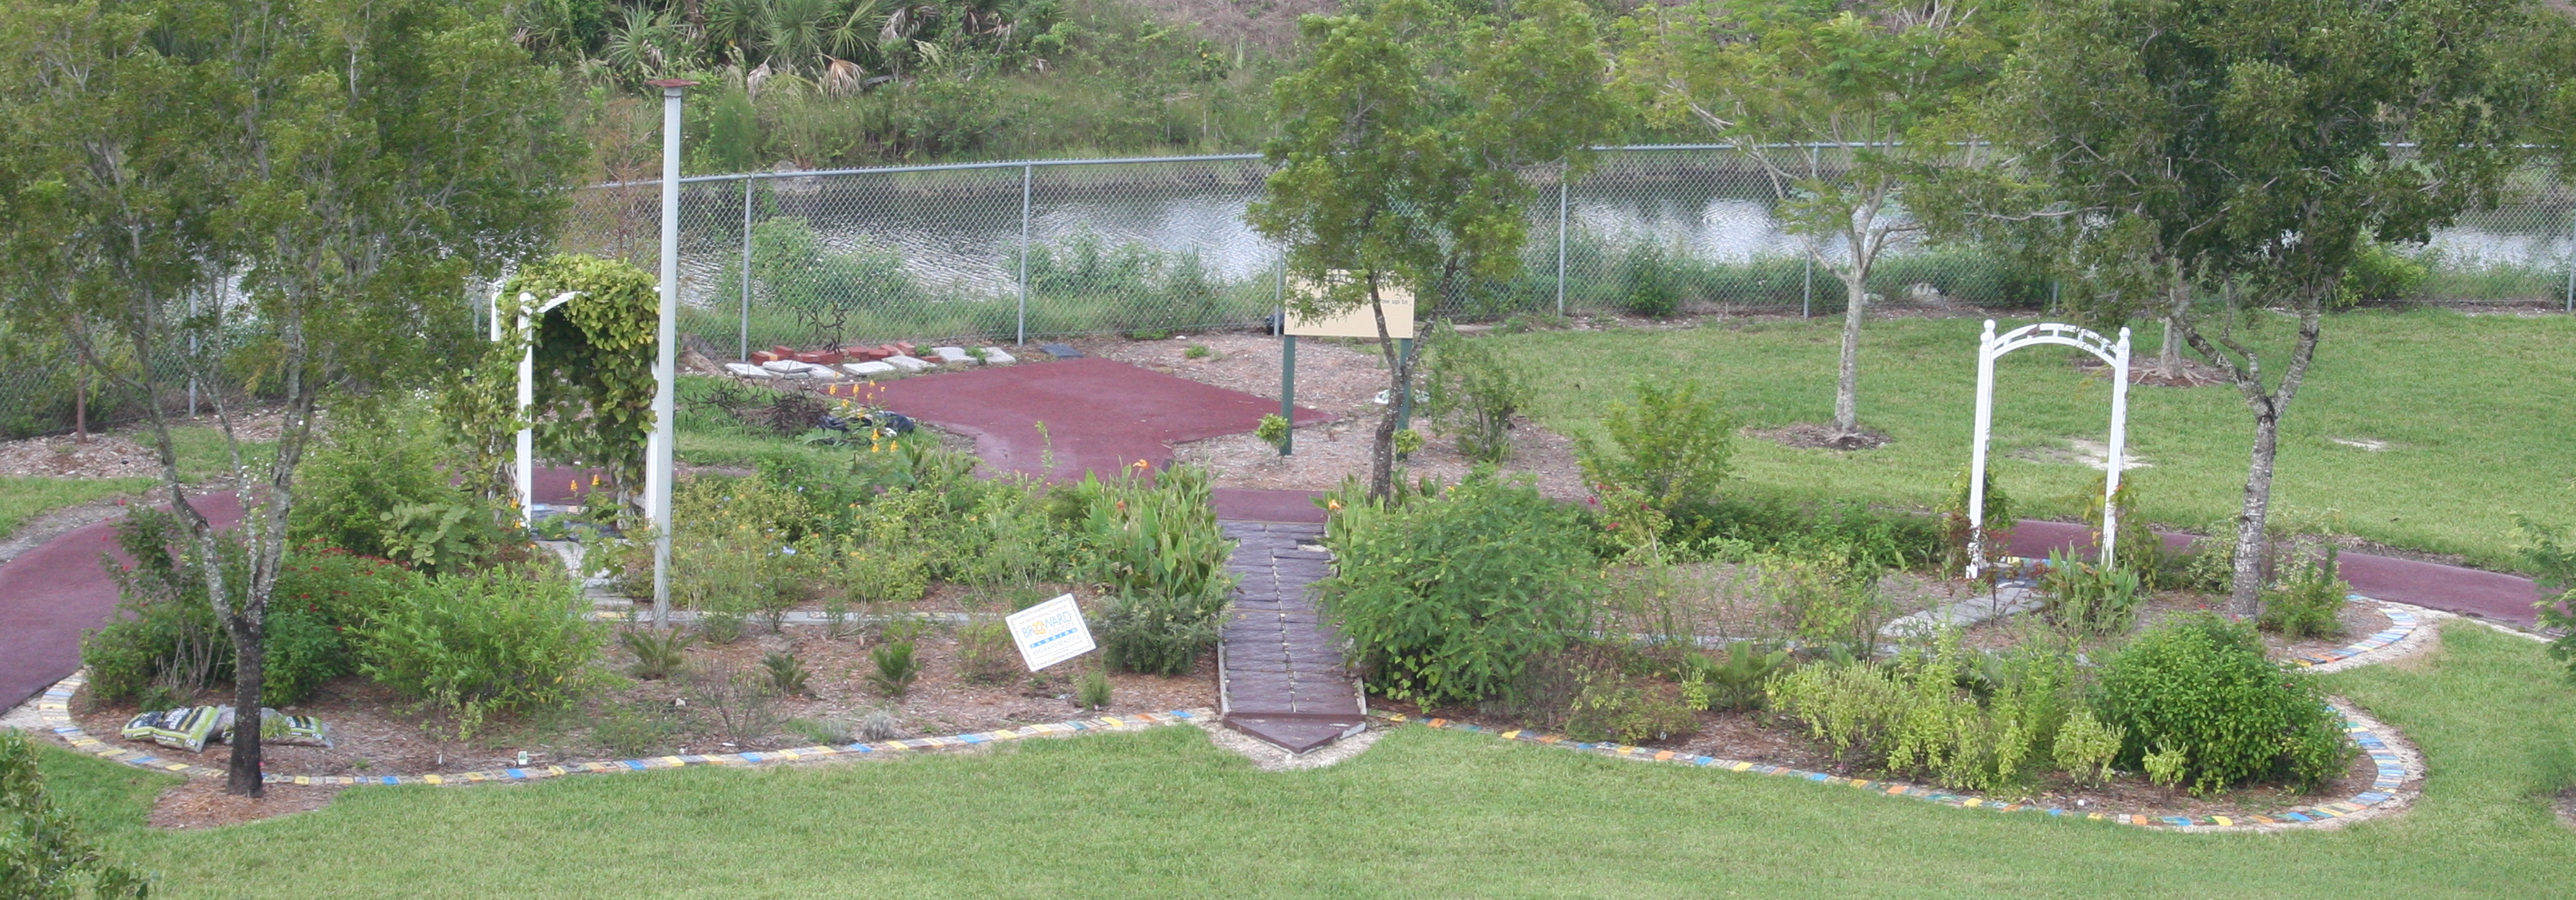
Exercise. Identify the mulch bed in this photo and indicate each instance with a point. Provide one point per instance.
(1815, 436)
(378, 733)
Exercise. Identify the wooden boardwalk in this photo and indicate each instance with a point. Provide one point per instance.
(1282, 679)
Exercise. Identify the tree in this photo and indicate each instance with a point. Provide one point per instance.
(334, 169)
(1778, 77)
(1400, 152)
(2256, 146)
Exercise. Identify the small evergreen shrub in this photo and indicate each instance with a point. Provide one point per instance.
(1445, 599)
(896, 669)
(659, 652)
(1610, 705)
(2086, 747)
(2199, 686)
(1157, 635)
(2309, 602)
(2088, 600)
(986, 654)
(1475, 387)
(1670, 443)
(787, 674)
(479, 646)
(1093, 692)
(1913, 717)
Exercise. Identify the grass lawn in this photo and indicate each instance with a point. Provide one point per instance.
(24, 497)
(2473, 409)
(1423, 813)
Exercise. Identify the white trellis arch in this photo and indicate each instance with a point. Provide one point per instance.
(523, 469)
(2116, 353)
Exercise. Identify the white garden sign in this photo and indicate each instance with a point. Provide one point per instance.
(2116, 353)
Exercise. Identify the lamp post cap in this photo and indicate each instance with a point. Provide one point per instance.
(671, 83)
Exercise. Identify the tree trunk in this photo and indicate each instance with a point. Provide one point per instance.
(1399, 370)
(1847, 381)
(80, 409)
(2169, 359)
(250, 661)
(2253, 540)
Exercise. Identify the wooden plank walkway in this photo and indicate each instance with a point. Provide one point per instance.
(1282, 678)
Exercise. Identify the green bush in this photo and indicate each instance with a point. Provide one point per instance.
(1912, 716)
(43, 855)
(1158, 635)
(1155, 543)
(1956, 526)
(479, 646)
(2086, 748)
(2199, 685)
(1446, 598)
(1611, 705)
(2553, 565)
(1475, 389)
(1733, 681)
(2308, 602)
(1830, 602)
(896, 668)
(378, 485)
(986, 653)
(1671, 444)
(1652, 290)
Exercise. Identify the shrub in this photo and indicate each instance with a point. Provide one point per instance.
(1093, 692)
(1912, 716)
(896, 669)
(738, 700)
(659, 652)
(378, 486)
(476, 646)
(1157, 546)
(2199, 686)
(1610, 705)
(787, 675)
(1830, 602)
(2085, 599)
(2308, 603)
(1475, 389)
(832, 732)
(1955, 530)
(1157, 635)
(2086, 747)
(986, 654)
(1733, 681)
(42, 851)
(635, 729)
(1671, 444)
(2138, 548)
(1447, 598)
(2553, 566)
(1651, 289)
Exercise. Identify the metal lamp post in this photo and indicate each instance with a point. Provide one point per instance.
(657, 466)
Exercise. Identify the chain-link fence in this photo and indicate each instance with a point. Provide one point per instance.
(1011, 252)
(1007, 252)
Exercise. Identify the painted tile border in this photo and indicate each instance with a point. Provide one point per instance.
(54, 707)
(2393, 770)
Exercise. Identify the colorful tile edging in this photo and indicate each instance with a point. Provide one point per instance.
(55, 708)
(2392, 771)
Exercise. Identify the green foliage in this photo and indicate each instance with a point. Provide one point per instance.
(1733, 681)
(635, 729)
(1155, 543)
(480, 646)
(378, 486)
(1828, 600)
(1447, 598)
(1956, 527)
(1476, 388)
(719, 627)
(659, 652)
(43, 855)
(828, 732)
(1647, 277)
(1912, 717)
(787, 674)
(2086, 747)
(2088, 600)
(1611, 705)
(2139, 548)
(2382, 273)
(896, 669)
(2552, 561)
(2308, 602)
(1671, 444)
(1408, 441)
(1273, 430)
(593, 363)
(1197, 351)
(2199, 686)
(1093, 691)
(986, 654)
(1157, 634)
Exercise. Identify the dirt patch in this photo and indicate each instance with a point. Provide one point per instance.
(377, 733)
(1342, 378)
(202, 803)
(2566, 807)
(102, 456)
(2187, 373)
(1815, 436)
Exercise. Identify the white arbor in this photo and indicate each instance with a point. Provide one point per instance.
(523, 485)
(2116, 353)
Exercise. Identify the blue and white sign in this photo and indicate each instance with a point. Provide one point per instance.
(1050, 632)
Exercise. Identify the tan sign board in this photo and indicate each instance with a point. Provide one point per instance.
(1359, 321)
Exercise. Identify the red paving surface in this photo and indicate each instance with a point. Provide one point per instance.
(1100, 415)
(2505, 598)
(51, 593)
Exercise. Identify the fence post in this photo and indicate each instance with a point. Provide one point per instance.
(1028, 174)
(2571, 264)
(1563, 173)
(742, 339)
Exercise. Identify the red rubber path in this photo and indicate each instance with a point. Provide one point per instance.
(51, 593)
(1100, 415)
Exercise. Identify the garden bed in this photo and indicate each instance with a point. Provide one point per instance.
(376, 732)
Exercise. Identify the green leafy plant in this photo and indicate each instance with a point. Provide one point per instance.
(986, 654)
(2200, 686)
(837, 621)
(1914, 716)
(830, 732)
(1093, 690)
(1408, 441)
(896, 669)
(1273, 430)
(637, 728)
(1157, 635)
(2167, 765)
(2086, 747)
(2086, 599)
(1197, 351)
(1475, 387)
(659, 652)
(1447, 598)
(2139, 548)
(43, 854)
(1829, 601)
(720, 627)
(1956, 525)
(787, 674)
(475, 646)
(2309, 601)
(1735, 679)
(1670, 443)
(1610, 705)
(1647, 274)
(2553, 564)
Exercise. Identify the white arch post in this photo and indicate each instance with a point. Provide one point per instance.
(2116, 353)
(523, 485)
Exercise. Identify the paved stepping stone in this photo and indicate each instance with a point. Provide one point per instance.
(1283, 680)
(908, 363)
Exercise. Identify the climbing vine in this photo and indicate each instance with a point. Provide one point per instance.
(593, 367)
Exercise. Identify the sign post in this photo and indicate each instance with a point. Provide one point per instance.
(1359, 322)
(657, 464)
